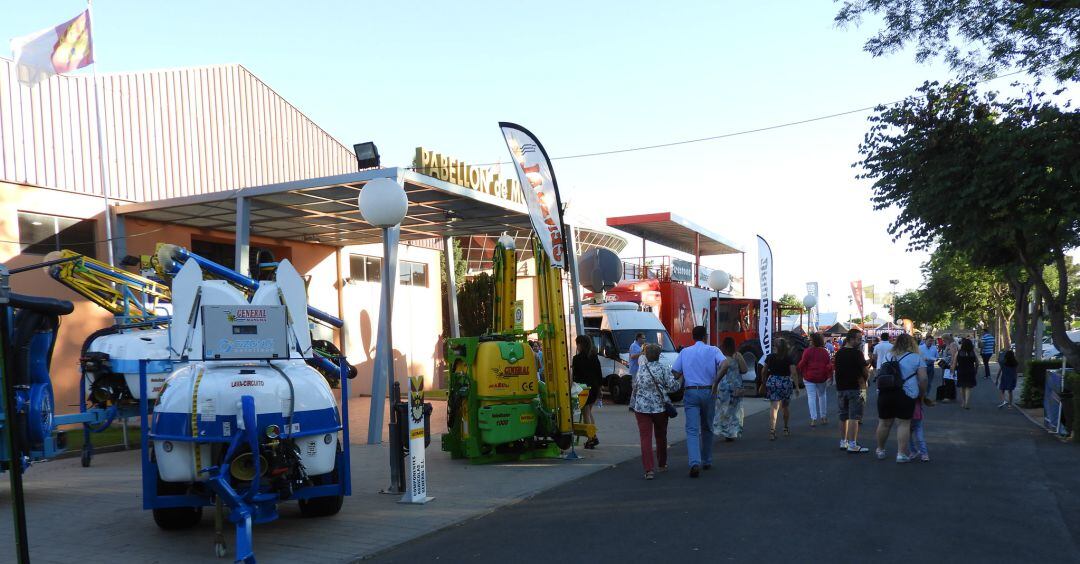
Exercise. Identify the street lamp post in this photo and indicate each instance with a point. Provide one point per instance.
(718, 280)
(383, 204)
(809, 302)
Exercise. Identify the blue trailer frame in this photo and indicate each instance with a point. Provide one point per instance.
(250, 506)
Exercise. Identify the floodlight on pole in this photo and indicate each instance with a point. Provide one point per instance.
(367, 155)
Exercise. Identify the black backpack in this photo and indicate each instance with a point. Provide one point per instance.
(890, 376)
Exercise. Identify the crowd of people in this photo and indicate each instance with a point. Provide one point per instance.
(709, 380)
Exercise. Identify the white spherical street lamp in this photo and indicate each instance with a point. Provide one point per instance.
(809, 301)
(383, 203)
(719, 280)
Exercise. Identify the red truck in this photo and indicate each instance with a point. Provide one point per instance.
(681, 306)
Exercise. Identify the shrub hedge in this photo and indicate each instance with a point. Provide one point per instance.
(1031, 395)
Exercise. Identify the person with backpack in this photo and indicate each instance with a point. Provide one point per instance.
(965, 365)
(901, 381)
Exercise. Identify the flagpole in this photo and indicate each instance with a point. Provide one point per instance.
(101, 147)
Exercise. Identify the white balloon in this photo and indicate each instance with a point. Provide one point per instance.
(383, 202)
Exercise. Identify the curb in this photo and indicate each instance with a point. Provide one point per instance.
(1041, 427)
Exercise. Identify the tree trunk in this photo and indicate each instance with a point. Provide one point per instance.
(1055, 304)
(1022, 331)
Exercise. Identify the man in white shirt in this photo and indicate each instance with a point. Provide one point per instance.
(881, 349)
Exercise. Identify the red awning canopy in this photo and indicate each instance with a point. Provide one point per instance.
(673, 231)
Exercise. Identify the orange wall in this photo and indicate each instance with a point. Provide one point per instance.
(87, 317)
(417, 314)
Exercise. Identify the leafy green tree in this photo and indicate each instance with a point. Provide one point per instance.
(923, 311)
(475, 302)
(977, 38)
(461, 267)
(790, 301)
(995, 179)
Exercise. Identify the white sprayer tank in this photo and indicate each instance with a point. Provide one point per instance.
(127, 348)
(202, 398)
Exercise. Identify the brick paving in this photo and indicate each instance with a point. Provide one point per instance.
(94, 515)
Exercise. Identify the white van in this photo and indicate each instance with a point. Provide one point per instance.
(613, 327)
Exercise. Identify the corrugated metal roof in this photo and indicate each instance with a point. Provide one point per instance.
(167, 133)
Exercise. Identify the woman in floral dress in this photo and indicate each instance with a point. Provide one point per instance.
(652, 383)
(729, 412)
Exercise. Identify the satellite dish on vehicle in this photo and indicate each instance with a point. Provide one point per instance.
(600, 270)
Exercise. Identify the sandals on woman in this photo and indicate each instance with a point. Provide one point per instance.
(772, 434)
(649, 475)
(787, 432)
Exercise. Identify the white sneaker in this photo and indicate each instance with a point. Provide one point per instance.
(880, 454)
(1002, 404)
(854, 448)
(843, 444)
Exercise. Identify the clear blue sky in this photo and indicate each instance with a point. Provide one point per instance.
(584, 76)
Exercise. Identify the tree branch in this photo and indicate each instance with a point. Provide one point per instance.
(1049, 4)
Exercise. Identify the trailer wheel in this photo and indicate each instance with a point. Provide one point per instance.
(621, 386)
(612, 385)
(322, 506)
(175, 518)
(620, 389)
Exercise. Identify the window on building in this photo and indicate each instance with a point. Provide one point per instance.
(41, 234)
(225, 255)
(363, 268)
(413, 274)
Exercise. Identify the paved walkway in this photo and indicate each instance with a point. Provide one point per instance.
(92, 515)
(998, 489)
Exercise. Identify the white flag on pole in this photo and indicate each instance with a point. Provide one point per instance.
(765, 311)
(54, 50)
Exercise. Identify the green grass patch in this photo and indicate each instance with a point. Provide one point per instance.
(109, 437)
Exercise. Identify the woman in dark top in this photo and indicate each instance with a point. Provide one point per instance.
(966, 365)
(781, 378)
(585, 369)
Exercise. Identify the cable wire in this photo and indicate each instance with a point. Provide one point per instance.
(712, 137)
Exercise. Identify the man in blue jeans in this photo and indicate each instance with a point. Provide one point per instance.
(697, 364)
(988, 346)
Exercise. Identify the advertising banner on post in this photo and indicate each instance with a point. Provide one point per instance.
(538, 185)
(765, 272)
(857, 293)
(811, 316)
